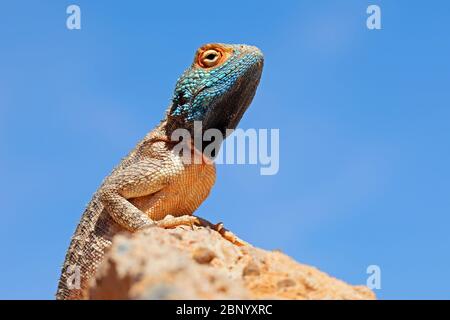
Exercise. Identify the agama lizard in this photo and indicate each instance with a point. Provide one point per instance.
(153, 185)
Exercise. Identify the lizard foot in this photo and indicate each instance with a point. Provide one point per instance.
(170, 222)
(225, 233)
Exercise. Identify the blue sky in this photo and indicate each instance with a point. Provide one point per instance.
(363, 118)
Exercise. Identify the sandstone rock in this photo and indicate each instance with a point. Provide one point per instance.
(186, 263)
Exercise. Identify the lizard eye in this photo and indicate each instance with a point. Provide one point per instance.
(209, 58)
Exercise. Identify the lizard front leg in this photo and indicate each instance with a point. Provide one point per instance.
(122, 211)
(143, 178)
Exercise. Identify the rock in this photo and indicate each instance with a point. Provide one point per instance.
(198, 263)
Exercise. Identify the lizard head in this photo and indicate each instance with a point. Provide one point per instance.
(218, 87)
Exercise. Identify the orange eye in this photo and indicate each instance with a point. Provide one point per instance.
(209, 58)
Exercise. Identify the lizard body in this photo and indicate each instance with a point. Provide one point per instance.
(153, 185)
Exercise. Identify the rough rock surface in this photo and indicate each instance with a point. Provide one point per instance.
(197, 263)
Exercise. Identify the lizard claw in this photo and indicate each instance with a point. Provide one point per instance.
(219, 227)
(226, 234)
(170, 222)
(230, 236)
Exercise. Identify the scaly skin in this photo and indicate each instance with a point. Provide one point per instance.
(155, 186)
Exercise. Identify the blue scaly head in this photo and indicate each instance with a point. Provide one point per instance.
(218, 87)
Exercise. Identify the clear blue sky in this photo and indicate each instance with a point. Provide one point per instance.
(363, 118)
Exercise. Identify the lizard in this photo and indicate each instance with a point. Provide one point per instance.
(153, 186)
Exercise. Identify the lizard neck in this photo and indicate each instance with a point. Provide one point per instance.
(163, 134)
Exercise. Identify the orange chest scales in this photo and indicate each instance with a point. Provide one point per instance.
(183, 195)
